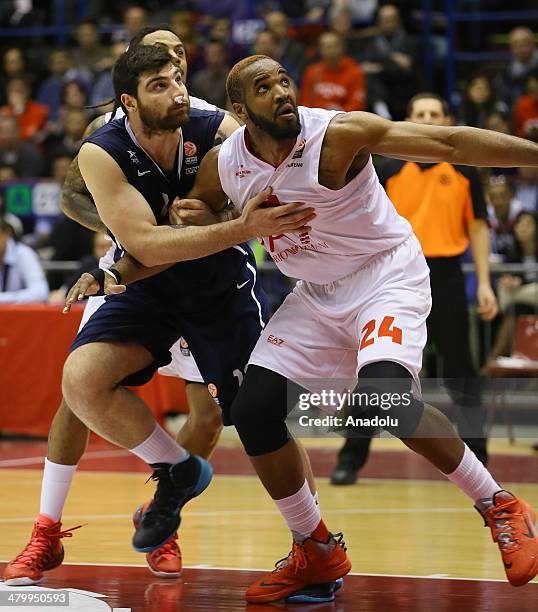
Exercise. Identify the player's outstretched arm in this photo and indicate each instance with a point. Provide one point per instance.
(75, 201)
(124, 210)
(368, 133)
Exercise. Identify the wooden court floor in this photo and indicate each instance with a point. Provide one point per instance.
(415, 544)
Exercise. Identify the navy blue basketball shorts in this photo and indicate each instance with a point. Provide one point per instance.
(221, 336)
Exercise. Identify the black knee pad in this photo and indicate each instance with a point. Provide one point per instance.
(259, 411)
(383, 399)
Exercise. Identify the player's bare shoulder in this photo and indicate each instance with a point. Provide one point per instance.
(345, 148)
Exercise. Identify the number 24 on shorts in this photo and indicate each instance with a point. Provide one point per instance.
(384, 329)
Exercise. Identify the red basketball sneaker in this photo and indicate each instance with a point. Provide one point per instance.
(165, 561)
(512, 524)
(43, 552)
(311, 562)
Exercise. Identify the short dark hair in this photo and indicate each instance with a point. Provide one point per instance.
(426, 95)
(234, 85)
(134, 62)
(137, 39)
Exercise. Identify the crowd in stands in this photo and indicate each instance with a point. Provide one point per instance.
(342, 54)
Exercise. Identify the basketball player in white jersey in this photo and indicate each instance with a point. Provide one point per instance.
(68, 436)
(358, 312)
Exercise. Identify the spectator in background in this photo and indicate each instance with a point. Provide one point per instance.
(13, 67)
(479, 102)
(499, 121)
(502, 210)
(7, 173)
(389, 63)
(134, 19)
(61, 71)
(30, 115)
(21, 276)
(518, 293)
(526, 109)
(266, 43)
(527, 188)
(291, 53)
(60, 167)
(341, 22)
(182, 23)
(23, 157)
(336, 82)
(103, 89)
(89, 54)
(210, 82)
(513, 80)
(221, 30)
(69, 139)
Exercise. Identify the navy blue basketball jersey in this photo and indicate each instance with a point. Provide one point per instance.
(189, 282)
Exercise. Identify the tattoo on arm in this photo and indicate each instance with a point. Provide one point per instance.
(76, 202)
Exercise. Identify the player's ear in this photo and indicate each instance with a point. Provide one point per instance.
(128, 101)
(239, 110)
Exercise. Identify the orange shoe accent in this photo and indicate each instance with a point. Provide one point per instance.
(512, 524)
(43, 553)
(164, 562)
(310, 562)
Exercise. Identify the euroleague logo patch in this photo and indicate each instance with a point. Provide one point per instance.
(190, 149)
(212, 390)
(184, 347)
(445, 179)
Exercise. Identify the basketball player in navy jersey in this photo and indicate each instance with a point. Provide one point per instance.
(68, 436)
(134, 168)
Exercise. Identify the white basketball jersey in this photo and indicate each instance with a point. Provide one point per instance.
(195, 103)
(352, 225)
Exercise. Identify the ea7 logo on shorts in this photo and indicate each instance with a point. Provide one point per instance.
(274, 340)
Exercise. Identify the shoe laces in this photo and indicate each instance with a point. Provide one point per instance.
(165, 494)
(39, 546)
(504, 530)
(170, 550)
(297, 559)
(339, 537)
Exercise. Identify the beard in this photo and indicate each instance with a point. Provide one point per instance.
(277, 132)
(158, 123)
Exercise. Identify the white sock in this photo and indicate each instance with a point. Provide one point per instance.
(300, 511)
(160, 447)
(55, 486)
(473, 478)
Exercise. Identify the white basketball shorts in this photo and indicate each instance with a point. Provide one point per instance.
(329, 332)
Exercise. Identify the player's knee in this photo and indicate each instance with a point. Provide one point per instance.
(80, 386)
(383, 399)
(259, 411)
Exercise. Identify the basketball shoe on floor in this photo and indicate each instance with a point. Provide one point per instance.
(43, 552)
(164, 562)
(512, 524)
(176, 485)
(311, 562)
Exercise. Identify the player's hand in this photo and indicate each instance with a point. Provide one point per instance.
(261, 220)
(192, 212)
(86, 286)
(487, 302)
